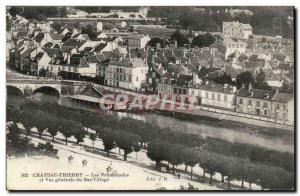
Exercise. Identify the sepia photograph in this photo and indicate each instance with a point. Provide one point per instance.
(150, 98)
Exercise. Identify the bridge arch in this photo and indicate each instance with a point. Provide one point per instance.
(48, 90)
(11, 89)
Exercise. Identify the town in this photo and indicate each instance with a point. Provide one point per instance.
(231, 69)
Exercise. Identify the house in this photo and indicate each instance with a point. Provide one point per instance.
(154, 75)
(214, 95)
(255, 101)
(39, 64)
(283, 107)
(73, 66)
(237, 30)
(173, 86)
(138, 41)
(126, 73)
(41, 39)
(233, 48)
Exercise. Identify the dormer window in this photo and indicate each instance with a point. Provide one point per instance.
(266, 96)
(251, 94)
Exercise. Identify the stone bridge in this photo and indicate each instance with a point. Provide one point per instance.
(30, 86)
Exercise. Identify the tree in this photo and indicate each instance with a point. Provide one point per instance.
(241, 170)
(260, 81)
(42, 121)
(79, 133)
(203, 40)
(175, 154)
(157, 151)
(245, 78)
(154, 42)
(109, 139)
(126, 141)
(208, 162)
(136, 148)
(27, 120)
(93, 139)
(191, 158)
(66, 128)
(13, 114)
(53, 126)
(179, 38)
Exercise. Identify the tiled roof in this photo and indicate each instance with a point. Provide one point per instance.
(39, 37)
(48, 45)
(283, 97)
(215, 87)
(129, 63)
(256, 93)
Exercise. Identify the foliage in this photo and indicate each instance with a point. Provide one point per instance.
(179, 38)
(108, 137)
(244, 78)
(67, 128)
(126, 142)
(203, 40)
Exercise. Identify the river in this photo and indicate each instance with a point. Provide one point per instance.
(284, 142)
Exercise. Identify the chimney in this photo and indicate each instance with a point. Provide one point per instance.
(68, 59)
(250, 87)
(234, 89)
(157, 46)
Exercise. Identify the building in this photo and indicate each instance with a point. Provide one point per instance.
(233, 48)
(214, 95)
(73, 66)
(138, 41)
(255, 101)
(271, 104)
(237, 30)
(173, 86)
(283, 107)
(125, 73)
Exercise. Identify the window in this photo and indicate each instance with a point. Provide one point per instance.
(265, 105)
(213, 96)
(51, 68)
(277, 106)
(58, 68)
(137, 78)
(193, 92)
(265, 112)
(249, 102)
(206, 95)
(284, 107)
(241, 101)
(225, 97)
(218, 97)
(258, 103)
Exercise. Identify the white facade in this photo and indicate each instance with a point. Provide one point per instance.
(128, 77)
(236, 30)
(238, 47)
(219, 97)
